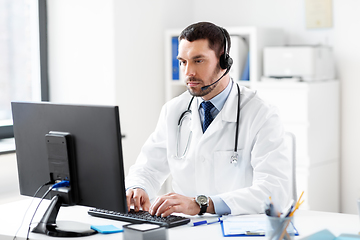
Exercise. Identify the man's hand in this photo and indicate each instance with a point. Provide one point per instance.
(138, 198)
(176, 203)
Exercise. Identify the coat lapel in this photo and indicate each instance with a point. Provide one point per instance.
(227, 114)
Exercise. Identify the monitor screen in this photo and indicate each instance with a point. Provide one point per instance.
(96, 138)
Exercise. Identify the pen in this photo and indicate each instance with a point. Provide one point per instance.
(287, 214)
(203, 222)
(297, 205)
(198, 223)
(287, 210)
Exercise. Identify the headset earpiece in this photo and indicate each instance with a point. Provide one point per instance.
(225, 60)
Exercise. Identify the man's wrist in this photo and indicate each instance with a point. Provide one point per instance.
(205, 204)
(211, 208)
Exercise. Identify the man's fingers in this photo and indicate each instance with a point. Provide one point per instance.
(154, 209)
(168, 205)
(137, 201)
(129, 196)
(146, 205)
(172, 202)
(171, 210)
(155, 205)
(138, 198)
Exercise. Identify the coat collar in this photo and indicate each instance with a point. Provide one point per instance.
(229, 111)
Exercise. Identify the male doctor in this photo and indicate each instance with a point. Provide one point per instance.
(215, 168)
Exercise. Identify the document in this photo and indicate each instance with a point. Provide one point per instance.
(249, 226)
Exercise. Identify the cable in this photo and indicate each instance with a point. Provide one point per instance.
(37, 191)
(56, 185)
(42, 198)
(61, 184)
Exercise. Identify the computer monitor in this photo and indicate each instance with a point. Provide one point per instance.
(93, 138)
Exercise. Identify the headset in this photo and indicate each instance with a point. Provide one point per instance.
(225, 60)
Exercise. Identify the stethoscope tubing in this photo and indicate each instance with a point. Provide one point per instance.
(188, 111)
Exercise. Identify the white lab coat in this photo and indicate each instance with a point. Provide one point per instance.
(262, 170)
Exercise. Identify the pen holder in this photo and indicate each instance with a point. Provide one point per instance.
(278, 228)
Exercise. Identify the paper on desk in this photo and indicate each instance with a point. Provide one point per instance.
(240, 226)
(235, 226)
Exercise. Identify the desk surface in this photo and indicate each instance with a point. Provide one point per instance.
(307, 223)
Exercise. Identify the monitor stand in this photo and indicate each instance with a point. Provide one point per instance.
(48, 226)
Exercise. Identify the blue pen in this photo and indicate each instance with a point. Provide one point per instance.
(203, 222)
(199, 223)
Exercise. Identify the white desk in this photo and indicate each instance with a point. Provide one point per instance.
(307, 222)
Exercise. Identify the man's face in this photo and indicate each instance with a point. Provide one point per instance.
(200, 67)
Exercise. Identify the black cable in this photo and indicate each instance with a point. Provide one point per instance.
(37, 191)
(56, 185)
(237, 120)
(42, 198)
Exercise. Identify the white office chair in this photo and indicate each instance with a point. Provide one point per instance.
(291, 143)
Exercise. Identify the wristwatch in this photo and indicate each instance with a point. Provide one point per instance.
(203, 202)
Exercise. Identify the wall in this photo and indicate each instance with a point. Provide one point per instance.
(111, 52)
(346, 44)
(81, 51)
(9, 184)
(139, 59)
(125, 38)
(287, 15)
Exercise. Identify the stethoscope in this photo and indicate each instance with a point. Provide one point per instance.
(187, 113)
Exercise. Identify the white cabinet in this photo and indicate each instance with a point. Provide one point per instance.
(255, 39)
(311, 112)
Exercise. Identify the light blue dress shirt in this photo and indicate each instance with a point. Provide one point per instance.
(218, 101)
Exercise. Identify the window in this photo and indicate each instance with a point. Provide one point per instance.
(20, 61)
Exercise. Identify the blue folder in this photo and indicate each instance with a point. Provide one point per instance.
(175, 61)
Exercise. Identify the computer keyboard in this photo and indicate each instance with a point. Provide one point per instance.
(140, 217)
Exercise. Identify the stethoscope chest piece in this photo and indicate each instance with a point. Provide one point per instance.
(234, 158)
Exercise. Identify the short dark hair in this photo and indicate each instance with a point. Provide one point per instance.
(206, 30)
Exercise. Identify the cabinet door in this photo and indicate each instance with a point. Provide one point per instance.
(311, 112)
(291, 102)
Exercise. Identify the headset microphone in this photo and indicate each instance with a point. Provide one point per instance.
(225, 61)
(207, 86)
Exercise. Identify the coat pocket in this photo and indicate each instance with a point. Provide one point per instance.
(229, 176)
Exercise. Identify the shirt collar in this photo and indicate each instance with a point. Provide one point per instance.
(219, 100)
